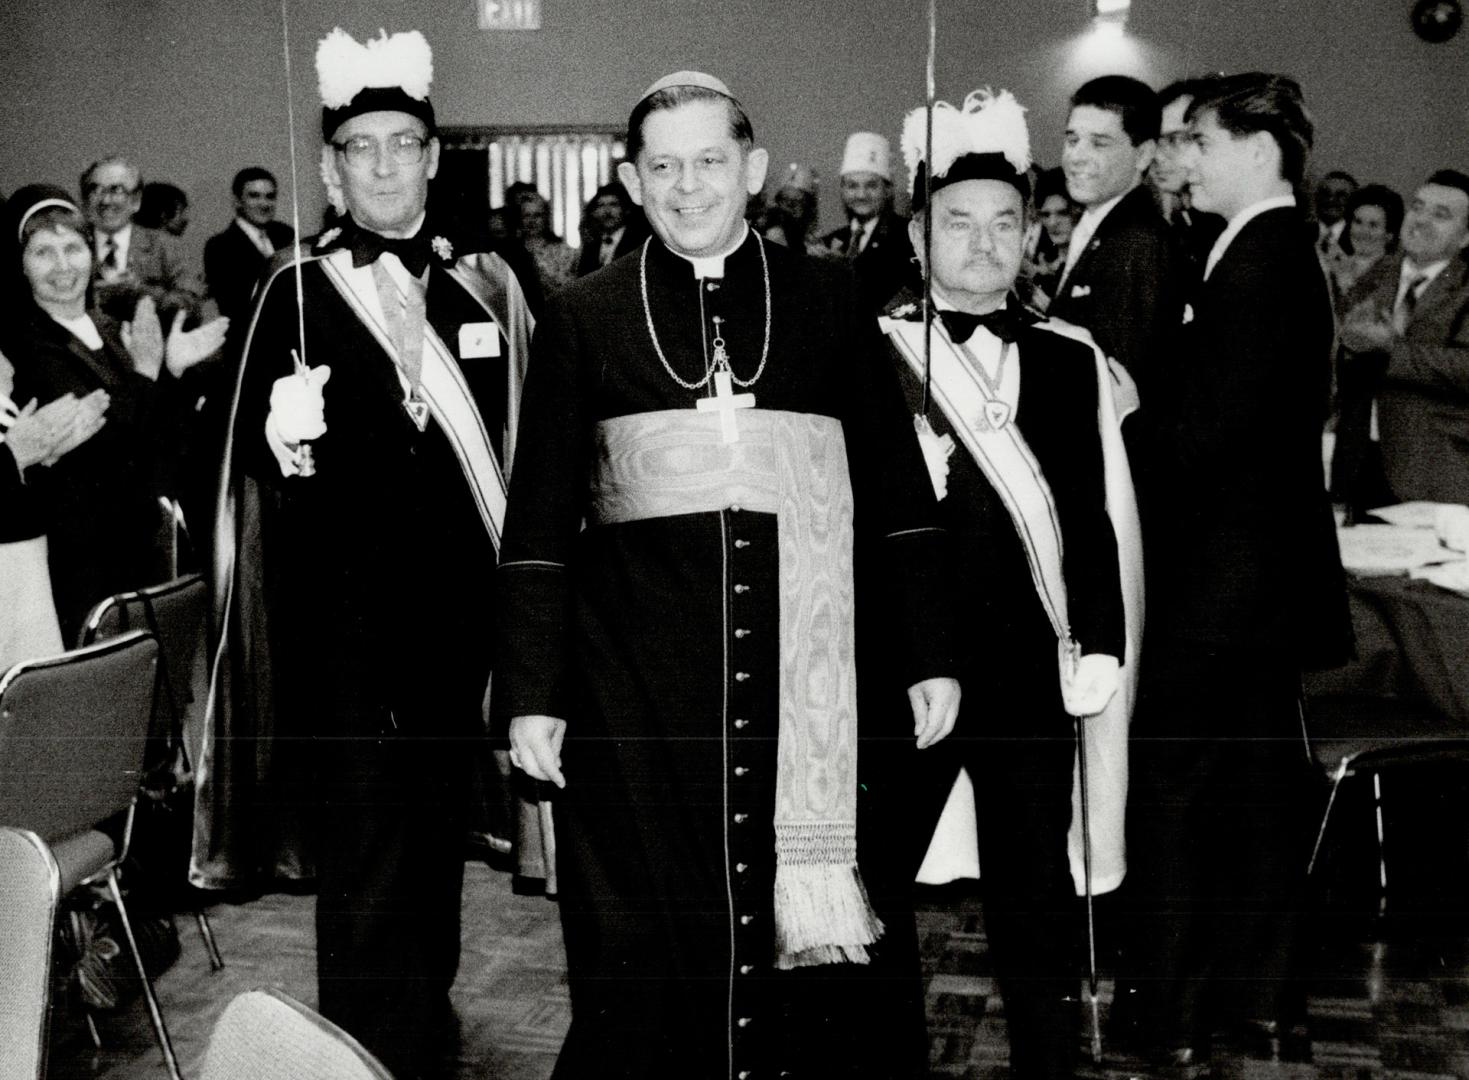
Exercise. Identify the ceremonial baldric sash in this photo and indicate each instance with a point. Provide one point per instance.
(1002, 454)
(447, 395)
(793, 465)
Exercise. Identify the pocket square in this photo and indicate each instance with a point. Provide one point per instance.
(1078, 291)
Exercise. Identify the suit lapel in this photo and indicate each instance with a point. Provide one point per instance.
(1443, 291)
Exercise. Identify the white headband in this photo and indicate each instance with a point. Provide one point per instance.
(20, 229)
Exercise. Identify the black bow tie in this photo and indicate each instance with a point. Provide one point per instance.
(1005, 323)
(412, 252)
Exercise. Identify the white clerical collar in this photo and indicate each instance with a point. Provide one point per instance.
(83, 328)
(712, 266)
(1238, 222)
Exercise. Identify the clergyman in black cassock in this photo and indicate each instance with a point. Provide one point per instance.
(661, 638)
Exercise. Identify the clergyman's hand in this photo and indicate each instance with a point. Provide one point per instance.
(935, 707)
(535, 747)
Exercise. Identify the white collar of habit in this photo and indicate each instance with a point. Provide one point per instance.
(712, 266)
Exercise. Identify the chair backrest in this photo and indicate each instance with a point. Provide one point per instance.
(268, 1035)
(72, 730)
(181, 609)
(30, 888)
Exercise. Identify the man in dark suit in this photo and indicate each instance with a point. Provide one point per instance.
(1193, 231)
(130, 261)
(614, 226)
(1124, 277)
(1245, 588)
(875, 238)
(235, 259)
(1416, 320)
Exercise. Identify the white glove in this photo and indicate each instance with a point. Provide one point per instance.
(1089, 684)
(936, 452)
(297, 407)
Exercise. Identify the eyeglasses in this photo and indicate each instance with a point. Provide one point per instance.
(115, 191)
(361, 150)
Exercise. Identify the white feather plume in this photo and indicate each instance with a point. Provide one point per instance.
(987, 123)
(344, 67)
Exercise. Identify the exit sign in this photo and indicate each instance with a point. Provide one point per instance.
(509, 14)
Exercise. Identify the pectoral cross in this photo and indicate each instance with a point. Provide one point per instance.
(726, 401)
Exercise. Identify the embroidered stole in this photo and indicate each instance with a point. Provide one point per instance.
(794, 465)
(446, 394)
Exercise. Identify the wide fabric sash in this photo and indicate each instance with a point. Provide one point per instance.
(794, 465)
(448, 397)
(1002, 455)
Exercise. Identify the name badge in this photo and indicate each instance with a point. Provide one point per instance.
(478, 340)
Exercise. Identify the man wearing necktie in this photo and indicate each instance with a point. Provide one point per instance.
(1417, 318)
(873, 239)
(372, 437)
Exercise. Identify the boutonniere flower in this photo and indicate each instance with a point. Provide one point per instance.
(1188, 314)
(442, 248)
(326, 239)
(902, 311)
(1078, 291)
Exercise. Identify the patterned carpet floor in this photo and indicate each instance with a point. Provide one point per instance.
(1394, 1008)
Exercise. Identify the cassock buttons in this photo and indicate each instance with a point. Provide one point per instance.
(711, 285)
(735, 509)
(746, 920)
(740, 867)
(740, 725)
(741, 676)
(745, 969)
(742, 543)
(740, 819)
(743, 1021)
(742, 588)
(740, 770)
(744, 1074)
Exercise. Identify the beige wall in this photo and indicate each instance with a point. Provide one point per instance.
(193, 89)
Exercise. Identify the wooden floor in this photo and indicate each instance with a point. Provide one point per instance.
(1398, 1009)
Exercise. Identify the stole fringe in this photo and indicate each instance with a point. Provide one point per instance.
(822, 916)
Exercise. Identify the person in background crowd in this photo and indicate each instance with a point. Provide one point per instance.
(236, 257)
(1374, 218)
(131, 261)
(99, 503)
(1415, 313)
(611, 227)
(1194, 232)
(874, 240)
(163, 206)
(555, 260)
(1330, 201)
(1057, 214)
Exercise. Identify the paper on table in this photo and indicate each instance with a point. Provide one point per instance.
(1452, 576)
(1390, 549)
(1419, 514)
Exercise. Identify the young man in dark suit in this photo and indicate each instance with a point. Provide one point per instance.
(1245, 588)
(235, 259)
(1124, 277)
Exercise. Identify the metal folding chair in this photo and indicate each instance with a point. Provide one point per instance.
(72, 733)
(268, 1035)
(30, 893)
(177, 613)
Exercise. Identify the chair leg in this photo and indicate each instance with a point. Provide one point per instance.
(164, 1043)
(1325, 818)
(216, 962)
(1381, 845)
